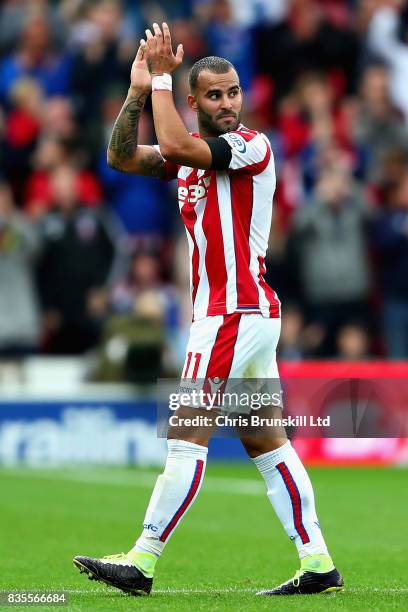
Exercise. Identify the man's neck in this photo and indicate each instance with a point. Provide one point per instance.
(207, 134)
(204, 133)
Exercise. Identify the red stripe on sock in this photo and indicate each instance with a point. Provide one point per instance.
(295, 499)
(187, 501)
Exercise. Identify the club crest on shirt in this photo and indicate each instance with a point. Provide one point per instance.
(236, 141)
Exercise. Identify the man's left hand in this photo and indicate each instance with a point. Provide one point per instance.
(158, 51)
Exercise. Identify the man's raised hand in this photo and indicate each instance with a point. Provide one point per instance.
(140, 78)
(158, 50)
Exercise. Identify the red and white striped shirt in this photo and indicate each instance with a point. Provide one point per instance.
(227, 216)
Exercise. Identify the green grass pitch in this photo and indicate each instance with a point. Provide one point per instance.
(229, 545)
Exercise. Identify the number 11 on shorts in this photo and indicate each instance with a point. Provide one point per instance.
(197, 359)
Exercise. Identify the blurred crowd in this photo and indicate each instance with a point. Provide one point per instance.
(95, 261)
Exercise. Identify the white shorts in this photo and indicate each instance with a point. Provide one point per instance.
(232, 346)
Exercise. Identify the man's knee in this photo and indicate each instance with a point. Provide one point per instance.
(194, 425)
(256, 446)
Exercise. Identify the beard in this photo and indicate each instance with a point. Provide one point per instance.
(212, 127)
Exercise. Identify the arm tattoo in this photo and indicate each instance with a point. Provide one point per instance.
(123, 141)
(153, 165)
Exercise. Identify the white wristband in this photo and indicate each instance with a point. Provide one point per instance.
(162, 82)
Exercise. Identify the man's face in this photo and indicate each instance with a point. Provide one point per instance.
(217, 102)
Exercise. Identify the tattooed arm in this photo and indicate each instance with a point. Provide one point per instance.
(124, 154)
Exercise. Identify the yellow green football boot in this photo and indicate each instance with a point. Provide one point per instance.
(317, 574)
(131, 572)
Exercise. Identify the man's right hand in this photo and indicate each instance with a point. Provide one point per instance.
(140, 78)
(124, 153)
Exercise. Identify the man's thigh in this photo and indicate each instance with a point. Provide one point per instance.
(232, 346)
(231, 349)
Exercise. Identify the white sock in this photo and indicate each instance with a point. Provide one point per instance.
(174, 492)
(291, 494)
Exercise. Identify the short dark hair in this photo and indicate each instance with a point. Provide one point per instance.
(215, 64)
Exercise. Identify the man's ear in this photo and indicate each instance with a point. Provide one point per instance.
(192, 102)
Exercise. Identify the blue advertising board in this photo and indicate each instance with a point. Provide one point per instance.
(112, 432)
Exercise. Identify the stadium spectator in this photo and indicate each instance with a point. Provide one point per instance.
(58, 119)
(23, 126)
(227, 38)
(254, 12)
(331, 246)
(146, 273)
(14, 15)
(190, 31)
(377, 126)
(19, 307)
(52, 152)
(387, 39)
(3, 145)
(390, 237)
(78, 257)
(327, 144)
(306, 41)
(392, 172)
(35, 58)
(353, 343)
(101, 57)
(133, 343)
(297, 340)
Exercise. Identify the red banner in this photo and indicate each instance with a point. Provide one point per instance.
(359, 450)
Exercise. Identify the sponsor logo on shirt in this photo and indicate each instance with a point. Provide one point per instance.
(193, 193)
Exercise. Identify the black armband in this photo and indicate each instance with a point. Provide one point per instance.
(221, 153)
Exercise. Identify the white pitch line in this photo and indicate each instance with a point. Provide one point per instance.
(215, 590)
(239, 486)
(166, 591)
